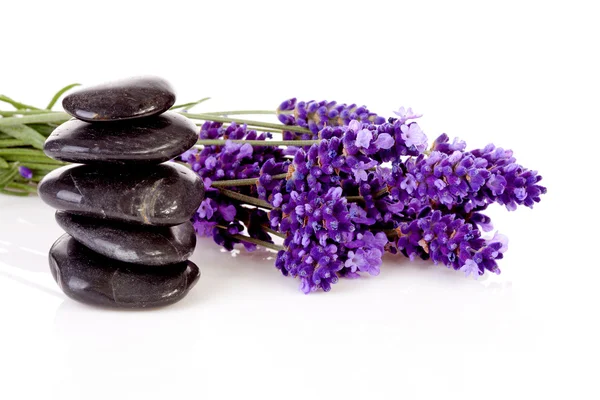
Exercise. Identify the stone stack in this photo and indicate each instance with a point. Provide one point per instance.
(126, 210)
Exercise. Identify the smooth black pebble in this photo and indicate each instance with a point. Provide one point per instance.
(149, 140)
(91, 278)
(129, 98)
(146, 245)
(162, 195)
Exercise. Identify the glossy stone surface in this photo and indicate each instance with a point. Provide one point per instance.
(164, 195)
(91, 278)
(137, 244)
(123, 99)
(149, 140)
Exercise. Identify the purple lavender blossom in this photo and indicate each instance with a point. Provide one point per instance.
(217, 215)
(451, 241)
(315, 115)
(414, 136)
(316, 227)
(25, 172)
(337, 199)
(406, 114)
(467, 180)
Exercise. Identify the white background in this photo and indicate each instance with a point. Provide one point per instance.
(522, 74)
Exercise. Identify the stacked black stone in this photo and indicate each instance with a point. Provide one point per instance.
(127, 210)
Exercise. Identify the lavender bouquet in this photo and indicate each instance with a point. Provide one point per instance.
(337, 188)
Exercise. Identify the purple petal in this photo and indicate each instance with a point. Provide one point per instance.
(363, 138)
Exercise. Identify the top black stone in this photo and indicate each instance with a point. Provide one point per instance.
(121, 100)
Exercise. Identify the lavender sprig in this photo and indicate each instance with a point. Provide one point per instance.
(315, 115)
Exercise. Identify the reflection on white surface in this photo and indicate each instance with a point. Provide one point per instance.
(245, 320)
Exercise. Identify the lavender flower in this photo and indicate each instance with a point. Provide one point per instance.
(451, 241)
(25, 172)
(316, 228)
(406, 114)
(414, 136)
(467, 180)
(218, 216)
(321, 244)
(316, 115)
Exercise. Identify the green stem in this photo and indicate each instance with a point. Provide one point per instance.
(11, 143)
(257, 242)
(16, 104)
(215, 118)
(22, 186)
(8, 176)
(31, 159)
(246, 199)
(273, 232)
(31, 152)
(23, 112)
(381, 193)
(242, 182)
(391, 233)
(259, 130)
(243, 112)
(187, 106)
(41, 166)
(60, 93)
(221, 142)
(36, 119)
(14, 193)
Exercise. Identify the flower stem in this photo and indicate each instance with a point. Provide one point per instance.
(354, 198)
(187, 106)
(381, 193)
(257, 242)
(242, 112)
(273, 231)
(221, 142)
(246, 199)
(216, 118)
(23, 112)
(243, 182)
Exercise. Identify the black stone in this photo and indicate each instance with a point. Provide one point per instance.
(91, 278)
(123, 99)
(149, 140)
(137, 244)
(164, 195)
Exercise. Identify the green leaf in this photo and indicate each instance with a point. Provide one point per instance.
(24, 152)
(43, 129)
(22, 186)
(29, 159)
(45, 118)
(60, 93)
(40, 166)
(13, 192)
(4, 143)
(16, 104)
(26, 134)
(8, 175)
(3, 163)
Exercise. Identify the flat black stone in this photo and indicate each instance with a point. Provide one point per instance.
(91, 278)
(163, 195)
(123, 99)
(149, 140)
(137, 244)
